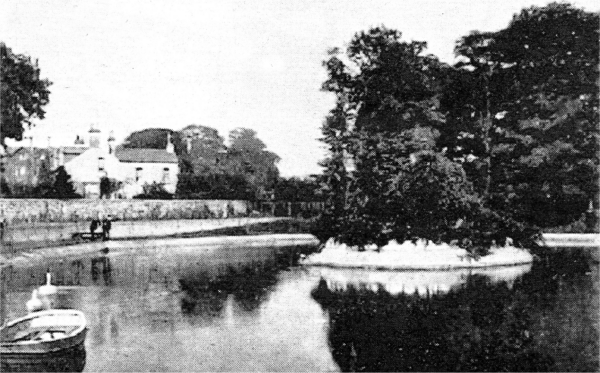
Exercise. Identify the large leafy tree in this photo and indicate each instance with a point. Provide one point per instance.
(63, 186)
(522, 114)
(23, 93)
(382, 136)
(199, 148)
(247, 155)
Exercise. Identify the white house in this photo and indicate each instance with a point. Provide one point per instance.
(148, 166)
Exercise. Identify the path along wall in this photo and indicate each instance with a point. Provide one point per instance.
(52, 210)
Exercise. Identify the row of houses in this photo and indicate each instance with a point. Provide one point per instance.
(87, 163)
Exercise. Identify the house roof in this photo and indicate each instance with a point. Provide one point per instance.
(74, 149)
(145, 155)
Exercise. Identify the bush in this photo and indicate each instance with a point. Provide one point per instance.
(214, 186)
(154, 191)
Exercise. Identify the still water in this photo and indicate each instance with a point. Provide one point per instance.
(255, 309)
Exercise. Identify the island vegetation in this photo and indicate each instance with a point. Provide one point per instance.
(499, 145)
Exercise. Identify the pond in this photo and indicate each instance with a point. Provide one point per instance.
(255, 309)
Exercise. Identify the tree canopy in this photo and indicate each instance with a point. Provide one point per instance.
(501, 144)
(151, 138)
(247, 155)
(23, 93)
(199, 148)
(522, 106)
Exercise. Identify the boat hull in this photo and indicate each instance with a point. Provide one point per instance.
(70, 359)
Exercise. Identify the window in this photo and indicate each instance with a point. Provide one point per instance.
(100, 163)
(165, 177)
(22, 171)
(138, 173)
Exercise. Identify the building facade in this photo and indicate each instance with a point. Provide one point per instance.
(148, 166)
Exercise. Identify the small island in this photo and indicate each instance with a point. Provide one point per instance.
(421, 255)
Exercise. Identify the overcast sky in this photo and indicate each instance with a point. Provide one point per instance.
(130, 65)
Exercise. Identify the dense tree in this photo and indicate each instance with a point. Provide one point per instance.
(108, 186)
(4, 188)
(199, 148)
(152, 138)
(522, 114)
(62, 186)
(213, 186)
(23, 93)
(154, 191)
(46, 178)
(383, 141)
(295, 189)
(247, 155)
(335, 178)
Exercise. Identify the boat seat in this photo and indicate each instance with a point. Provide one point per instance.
(24, 335)
(37, 333)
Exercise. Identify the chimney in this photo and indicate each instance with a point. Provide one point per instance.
(61, 156)
(94, 137)
(170, 147)
(111, 142)
(78, 141)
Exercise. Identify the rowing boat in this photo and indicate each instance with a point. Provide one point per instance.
(51, 340)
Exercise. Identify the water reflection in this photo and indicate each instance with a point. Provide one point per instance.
(206, 297)
(484, 322)
(184, 308)
(250, 309)
(101, 266)
(422, 282)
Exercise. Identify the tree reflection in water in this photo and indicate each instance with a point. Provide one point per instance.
(479, 326)
(205, 295)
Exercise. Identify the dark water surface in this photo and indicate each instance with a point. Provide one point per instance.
(254, 309)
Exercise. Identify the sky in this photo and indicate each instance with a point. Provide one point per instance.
(128, 65)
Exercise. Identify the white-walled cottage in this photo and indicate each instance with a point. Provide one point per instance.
(148, 166)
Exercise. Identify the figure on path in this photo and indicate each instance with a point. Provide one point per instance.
(106, 225)
(2, 226)
(93, 227)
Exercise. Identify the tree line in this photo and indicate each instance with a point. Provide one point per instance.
(500, 144)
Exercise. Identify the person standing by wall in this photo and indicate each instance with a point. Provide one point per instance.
(93, 227)
(2, 227)
(106, 225)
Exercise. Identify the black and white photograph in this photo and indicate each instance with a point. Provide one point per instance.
(299, 186)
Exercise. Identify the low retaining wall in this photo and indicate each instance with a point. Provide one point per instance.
(57, 232)
(53, 210)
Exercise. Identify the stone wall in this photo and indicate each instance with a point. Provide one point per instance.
(52, 210)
